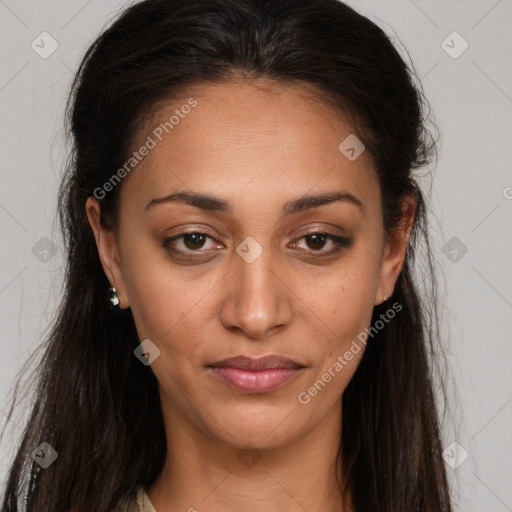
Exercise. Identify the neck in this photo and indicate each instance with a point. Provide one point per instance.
(201, 473)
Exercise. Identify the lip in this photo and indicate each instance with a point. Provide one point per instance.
(261, 363)
(255, 375)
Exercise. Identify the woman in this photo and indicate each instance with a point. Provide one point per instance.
(240, 328)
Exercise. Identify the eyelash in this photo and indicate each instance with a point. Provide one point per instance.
(340, 242)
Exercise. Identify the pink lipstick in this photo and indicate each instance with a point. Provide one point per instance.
(255, 375)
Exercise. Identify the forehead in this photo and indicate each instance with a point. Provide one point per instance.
(244, 139)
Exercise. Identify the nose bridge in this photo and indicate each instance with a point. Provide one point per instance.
(258, 300)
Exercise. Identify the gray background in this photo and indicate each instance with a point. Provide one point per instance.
(471, 96)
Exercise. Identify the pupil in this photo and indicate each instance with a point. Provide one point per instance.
(194, 240)
(318, 239)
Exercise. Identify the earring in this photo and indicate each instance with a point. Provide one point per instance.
(113, 297)
(380, 303)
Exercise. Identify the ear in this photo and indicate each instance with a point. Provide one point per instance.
(395, 250)
(108, 250)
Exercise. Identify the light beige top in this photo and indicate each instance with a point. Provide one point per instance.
(143, 504)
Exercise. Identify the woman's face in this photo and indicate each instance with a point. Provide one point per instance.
(253, 281)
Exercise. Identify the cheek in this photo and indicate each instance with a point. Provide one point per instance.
(344, 303)
(158, 298)
(162, 308)
(167, 312)
(345, 298)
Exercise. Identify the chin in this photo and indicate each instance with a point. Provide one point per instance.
(264, 427)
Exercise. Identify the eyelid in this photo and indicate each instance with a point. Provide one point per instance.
(167, 242)
(198, 229)
(323, 228)
(340, 242)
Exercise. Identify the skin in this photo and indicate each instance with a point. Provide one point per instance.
(255, 145)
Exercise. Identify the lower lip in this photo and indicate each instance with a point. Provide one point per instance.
(254, 381)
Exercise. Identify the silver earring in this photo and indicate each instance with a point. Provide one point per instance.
(113, 297)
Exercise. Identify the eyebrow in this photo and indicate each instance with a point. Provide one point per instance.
(214, 204)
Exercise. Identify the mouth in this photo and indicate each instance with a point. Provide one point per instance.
(255, 375)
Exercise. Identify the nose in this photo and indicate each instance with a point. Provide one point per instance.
(258, 302)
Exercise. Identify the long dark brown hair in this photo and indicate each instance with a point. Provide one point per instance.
(94, 403)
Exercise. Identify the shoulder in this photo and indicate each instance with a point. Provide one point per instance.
(142, 504)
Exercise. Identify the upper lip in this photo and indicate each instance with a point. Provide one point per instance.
(262, 363)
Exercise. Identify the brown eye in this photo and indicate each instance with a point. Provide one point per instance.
(316, 241)
(190, 243)
(194, 241)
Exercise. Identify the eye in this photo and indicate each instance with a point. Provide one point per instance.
(316, 241)
(196, 243)
(191, 242)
